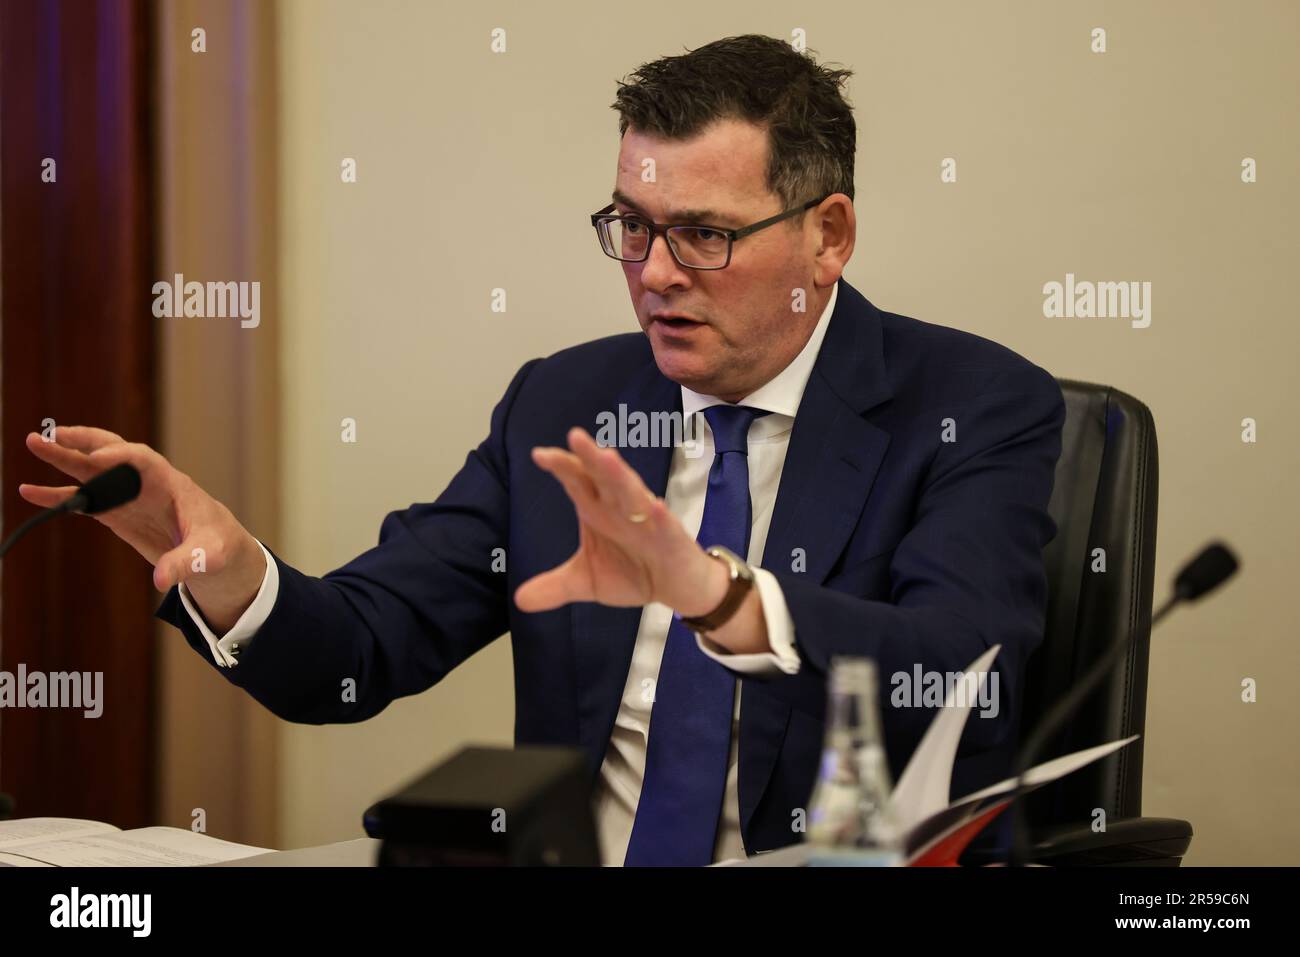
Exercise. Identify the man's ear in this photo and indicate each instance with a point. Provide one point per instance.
(836, 226)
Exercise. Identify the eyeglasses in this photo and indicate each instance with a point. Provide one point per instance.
(629, 238)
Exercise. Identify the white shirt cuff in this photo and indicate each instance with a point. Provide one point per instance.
(782, 659)
(225, 650)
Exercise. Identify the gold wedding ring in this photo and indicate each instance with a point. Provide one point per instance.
(639, 517)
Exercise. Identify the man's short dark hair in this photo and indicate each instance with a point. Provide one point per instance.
(812, 137)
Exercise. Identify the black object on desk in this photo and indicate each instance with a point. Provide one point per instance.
(491, 806)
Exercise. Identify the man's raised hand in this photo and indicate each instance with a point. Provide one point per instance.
(186, 534)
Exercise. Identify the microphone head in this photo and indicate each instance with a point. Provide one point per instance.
(1207, 571)
(117, 486)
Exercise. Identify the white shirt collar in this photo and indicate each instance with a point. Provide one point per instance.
(782, 394)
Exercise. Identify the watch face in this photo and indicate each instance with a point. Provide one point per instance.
(742, 580)
(739, 568)
(730, 557)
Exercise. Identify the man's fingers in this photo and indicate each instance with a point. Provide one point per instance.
(85, 438)
(622, 508)
(67, 461)
(618, 483)
(141, 456)
(175, 566)
(592, 508)
(84, 466)
(569, 472)
(559, 586)
(46, 496)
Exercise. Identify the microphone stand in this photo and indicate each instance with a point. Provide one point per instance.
(1052, 723)
(27, 526)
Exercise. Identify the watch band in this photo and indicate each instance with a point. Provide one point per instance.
(742, 581)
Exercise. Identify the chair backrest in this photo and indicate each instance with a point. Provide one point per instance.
(1104, 506)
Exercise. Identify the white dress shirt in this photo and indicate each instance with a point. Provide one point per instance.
(618, 787)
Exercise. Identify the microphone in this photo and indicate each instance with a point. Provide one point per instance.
(1204, 573)
(1211, 567)
(117, 486)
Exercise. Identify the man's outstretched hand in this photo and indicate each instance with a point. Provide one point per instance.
(631, 549)
(186, 534)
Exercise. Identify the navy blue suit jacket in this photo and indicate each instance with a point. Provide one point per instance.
(915, 550)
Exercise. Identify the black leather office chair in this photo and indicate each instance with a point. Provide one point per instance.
(1107, 485)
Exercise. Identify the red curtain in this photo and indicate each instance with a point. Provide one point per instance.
(77, 347)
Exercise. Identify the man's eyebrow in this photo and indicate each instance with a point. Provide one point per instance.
(707, 216)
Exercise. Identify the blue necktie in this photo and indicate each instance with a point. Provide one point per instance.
(690, 721)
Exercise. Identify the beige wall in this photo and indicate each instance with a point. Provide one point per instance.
(1115, 166)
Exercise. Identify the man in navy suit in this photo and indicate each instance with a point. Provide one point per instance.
(855, 483)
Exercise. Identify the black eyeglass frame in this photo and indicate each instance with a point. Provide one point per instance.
(602, 216)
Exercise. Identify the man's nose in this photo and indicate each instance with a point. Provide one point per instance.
(660, 270)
